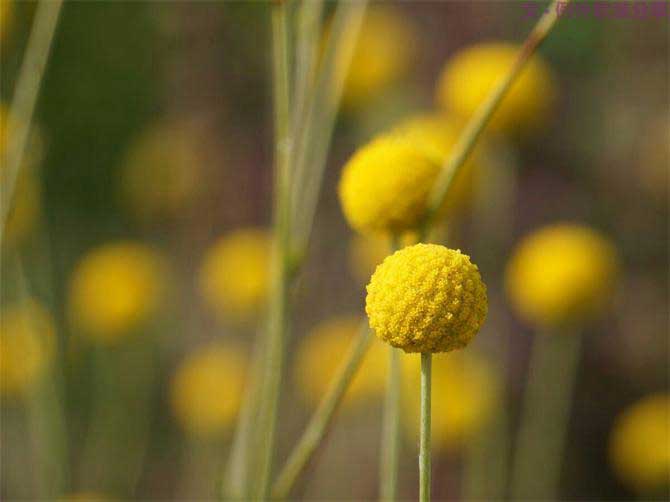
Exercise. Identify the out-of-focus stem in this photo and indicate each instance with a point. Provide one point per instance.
(478, 122)
(425, 433)
(26, 91)
(545, 416)
(307, 445)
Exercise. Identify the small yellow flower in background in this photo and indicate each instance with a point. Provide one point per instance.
(160, 176)
(234, 275)
(562, 273)
(471, 74)
(206, 390)
(426, 298)
(464, 397)
(385, 185)
(27, 343)
(385, 50)
(640, 445)
(314, 372)
(115, 290)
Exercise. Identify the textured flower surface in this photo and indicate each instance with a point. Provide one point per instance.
(27, 341)
(640, 445)
(207, 389)
(234, 275)
(385, 185)
(426, 298)
(473, 72)
(115, 289)
(465, 393)
(562, 273)
(314, 373)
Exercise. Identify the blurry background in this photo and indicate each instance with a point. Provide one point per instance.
(153, 142)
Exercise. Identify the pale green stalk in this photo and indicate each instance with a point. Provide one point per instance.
(425, 433)
(545, 416)
(390, 445)
(311, 438)
(26, 92)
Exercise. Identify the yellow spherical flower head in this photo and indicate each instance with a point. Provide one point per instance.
(206, 390)
(234, 275)
(314, 373)
(472, 73)
(161, 172)
(115, 290)
(385, 49)
(640, 445)
(561, 274)
(27, 342)
(385, 185)
(426, 298)
(464, 397)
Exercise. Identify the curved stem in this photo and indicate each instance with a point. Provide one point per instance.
(424, 445)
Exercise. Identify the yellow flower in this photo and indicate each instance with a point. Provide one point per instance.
(27, 342)
(464, 396)
(640, 444)
(426, 298)
(385, 50)
(161, 172)
(473, 72)
(561, 273)
(385, 185)
(206, 390)
(314, 373)
(234, 275)
(116, 289)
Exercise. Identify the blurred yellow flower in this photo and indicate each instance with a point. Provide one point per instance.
(27, 343)
(206, 390)
(465, 393)
(115, 289)
(161, 172)
(473, 72)
(640, 444)
(384, 53)
(384, 186)
(320, 354)
(562, 273)
(234, 274)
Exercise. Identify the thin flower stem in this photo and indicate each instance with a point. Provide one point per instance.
(390, 447)
(545, 416)
(281, 266)
(316, 429)
(478, 122)
(27, 89)
(424, 443)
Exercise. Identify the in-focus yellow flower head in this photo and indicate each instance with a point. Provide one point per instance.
(562, 273)
(115, 290)
(464, 397)
(27, 343)
(426, 298)
(640, 445)
(321, 353)
(385, 50)
(234, 275)
(472, 73)
(206, 390)
(385, 185)
(160, 176)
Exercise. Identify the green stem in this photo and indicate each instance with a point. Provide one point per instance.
(545, 417)
(478, 122)
(310, 440)
(390, 447)
(424, 444)
(26, 92)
